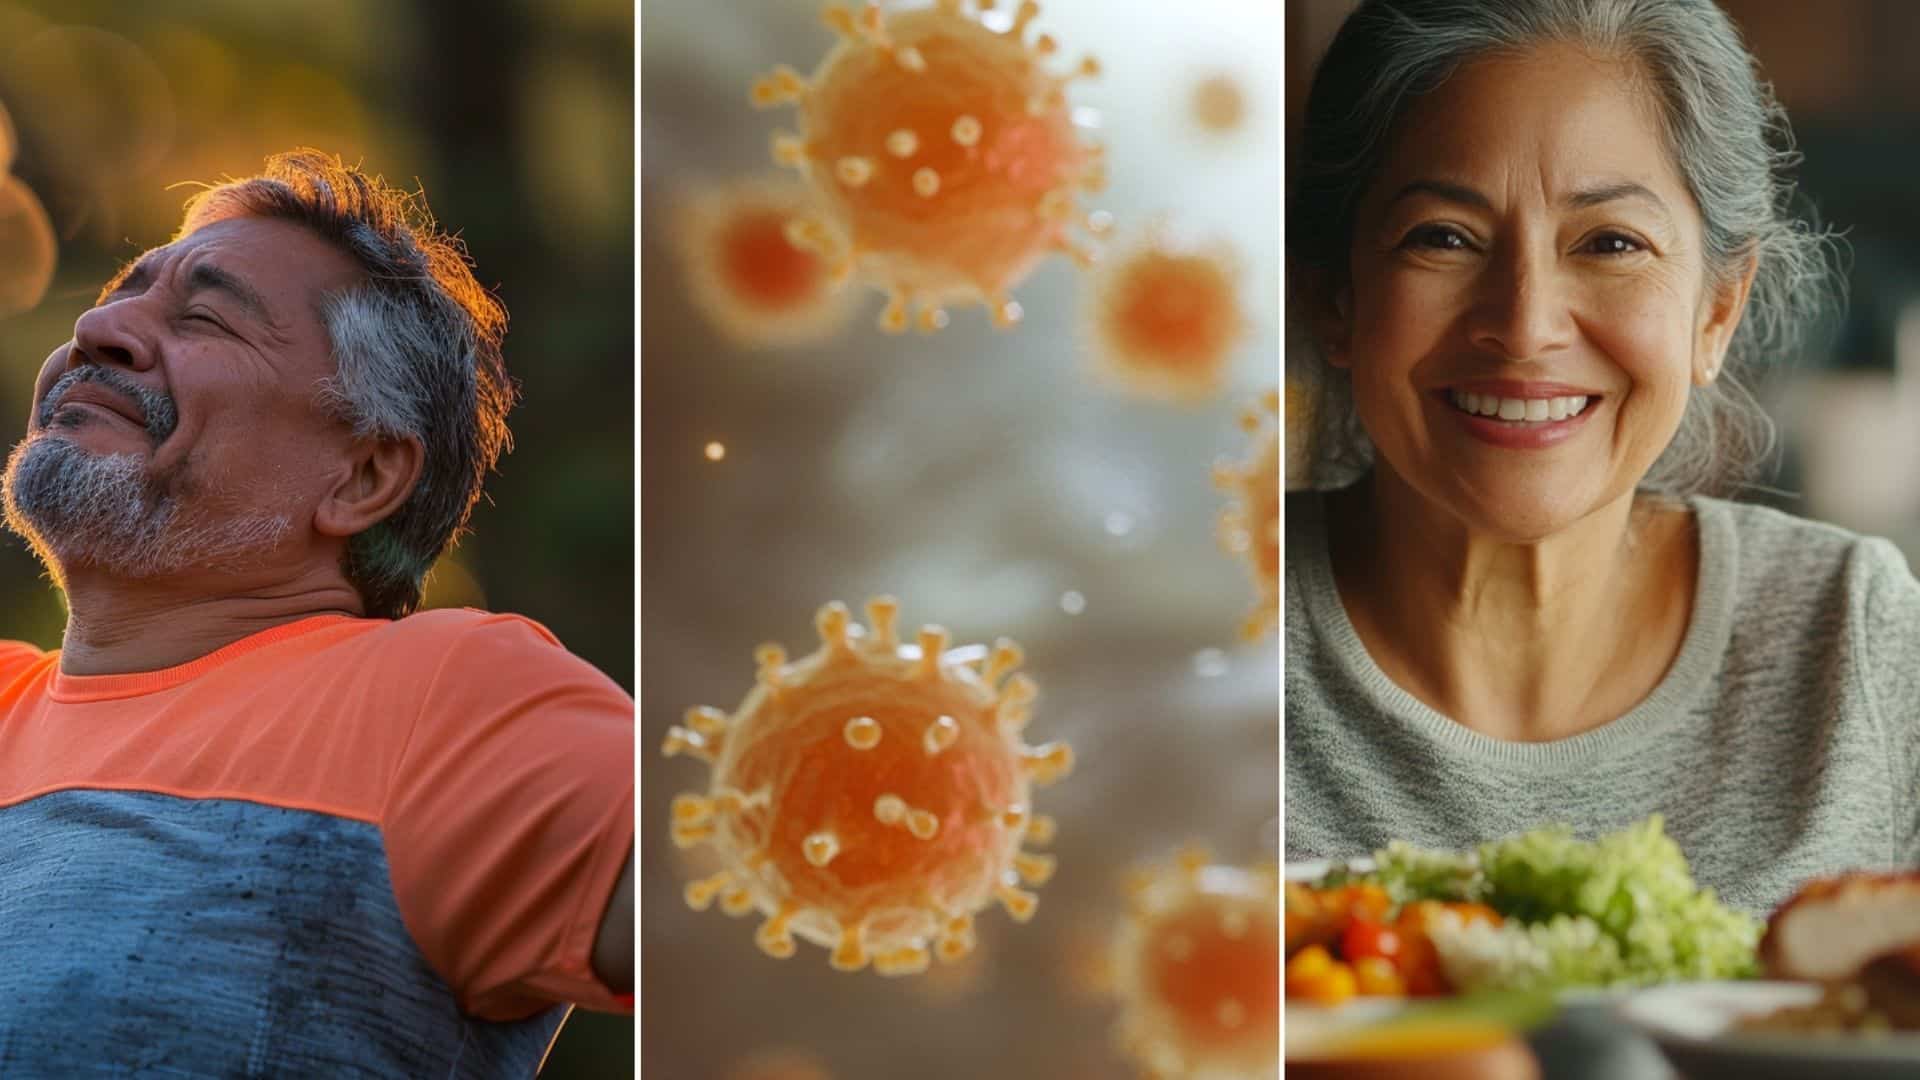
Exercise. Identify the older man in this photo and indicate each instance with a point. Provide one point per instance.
(259, 817)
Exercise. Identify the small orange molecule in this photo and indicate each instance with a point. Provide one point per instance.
(747, 275)
(1251, 525)
(1164, 317)
(872, 796)
(944, 151)
(1198, 968)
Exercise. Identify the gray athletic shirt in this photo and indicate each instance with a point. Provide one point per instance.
(1784, 743)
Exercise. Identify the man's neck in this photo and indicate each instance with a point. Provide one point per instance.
(117, 627)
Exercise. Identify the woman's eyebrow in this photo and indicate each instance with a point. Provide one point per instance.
(1579, 199)
(1445, 189)
(1600, 194)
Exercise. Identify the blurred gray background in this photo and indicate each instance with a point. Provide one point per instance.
(982, 478)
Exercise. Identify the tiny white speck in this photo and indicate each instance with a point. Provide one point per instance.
(715, 451)
(1072, 602)
(1209, 663)
(1119, 523)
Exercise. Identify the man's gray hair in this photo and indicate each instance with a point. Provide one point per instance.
(1727, 136)
(417, 347)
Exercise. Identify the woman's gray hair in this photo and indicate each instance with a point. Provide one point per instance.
(417, 347)
(1728, 138)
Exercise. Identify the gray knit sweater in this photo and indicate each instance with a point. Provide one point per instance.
(1784, 743)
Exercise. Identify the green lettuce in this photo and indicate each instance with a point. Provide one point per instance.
(1619, 910)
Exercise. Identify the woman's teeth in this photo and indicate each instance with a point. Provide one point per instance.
(1525, 410)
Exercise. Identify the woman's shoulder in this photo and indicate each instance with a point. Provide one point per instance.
(1773, 545)
(1789, 570)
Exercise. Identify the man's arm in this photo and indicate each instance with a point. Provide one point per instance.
(613, 945)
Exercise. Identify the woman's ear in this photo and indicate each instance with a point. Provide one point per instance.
(1330, 316)
(383, 476)
(1726, 303)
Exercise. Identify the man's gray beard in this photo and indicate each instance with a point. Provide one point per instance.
(101, 511)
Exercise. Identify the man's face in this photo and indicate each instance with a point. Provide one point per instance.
(180, 428)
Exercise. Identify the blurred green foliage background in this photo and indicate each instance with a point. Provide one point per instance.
(515, 116)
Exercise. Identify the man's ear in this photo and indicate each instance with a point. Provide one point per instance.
(1329, 316)
(384, 473)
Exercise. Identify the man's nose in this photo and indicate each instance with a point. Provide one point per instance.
(118, 333)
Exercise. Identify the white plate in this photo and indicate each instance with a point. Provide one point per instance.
(1694, 1025)
(1316, 869)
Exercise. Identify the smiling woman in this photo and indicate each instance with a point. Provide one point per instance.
(1534, 244)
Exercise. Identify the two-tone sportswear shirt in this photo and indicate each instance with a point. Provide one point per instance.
(338, 848)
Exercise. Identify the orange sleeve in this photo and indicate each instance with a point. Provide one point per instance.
(508, 818)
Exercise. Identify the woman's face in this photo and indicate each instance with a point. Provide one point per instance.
(1528, 302)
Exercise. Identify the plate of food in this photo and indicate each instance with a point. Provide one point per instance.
(1840, 997)
(1433, 948)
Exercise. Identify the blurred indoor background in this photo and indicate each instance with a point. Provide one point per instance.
(516, 118)
(985, 480)
(1848, 405)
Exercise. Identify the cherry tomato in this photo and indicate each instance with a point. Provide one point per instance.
(1365, 937)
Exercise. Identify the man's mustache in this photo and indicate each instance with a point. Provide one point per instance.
(156, 407)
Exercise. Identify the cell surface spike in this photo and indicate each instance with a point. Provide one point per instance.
(831, 623)
(861, 732)
(1034, 869)
(1006, 656)
(1041, 830)
(700, 894)
(940, 734)
(933, 642)
(691, 743)
(820, 848)
(1020, 904)
(773, 937)
(691, 810)
(882, 614)
(1048, 763)
(851, 952)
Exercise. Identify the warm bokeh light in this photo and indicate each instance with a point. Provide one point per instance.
(28, 252)
(716, 451)
(1218, 104)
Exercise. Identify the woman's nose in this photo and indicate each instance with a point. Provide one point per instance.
(1522, 312)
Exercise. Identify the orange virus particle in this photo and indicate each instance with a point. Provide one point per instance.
(872, 796)
(746, 275)
(1217, 104)
(1250, 526)
(1164, 316)
(944, 152)
(1197, 966)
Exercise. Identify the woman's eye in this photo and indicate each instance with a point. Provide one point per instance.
(1612, 244)
(1436, 238)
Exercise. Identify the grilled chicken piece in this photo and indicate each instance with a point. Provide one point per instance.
(1832, 929)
